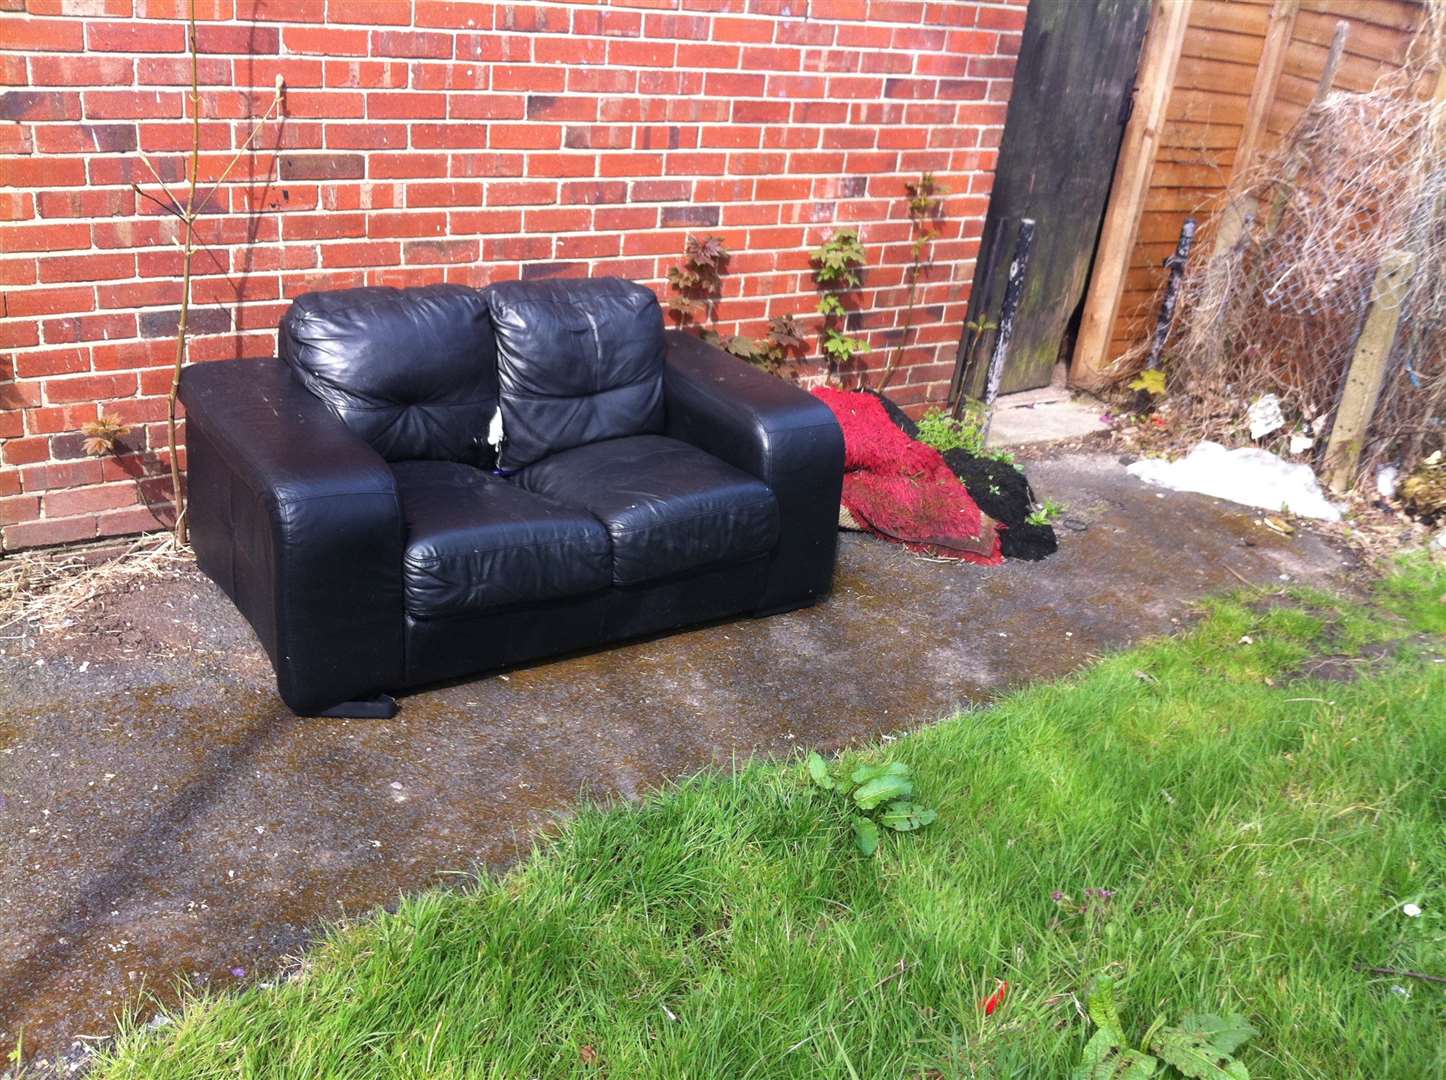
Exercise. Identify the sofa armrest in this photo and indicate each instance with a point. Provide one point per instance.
(297, 519)
(770, 429)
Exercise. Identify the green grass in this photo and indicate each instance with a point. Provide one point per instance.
(1260, 833)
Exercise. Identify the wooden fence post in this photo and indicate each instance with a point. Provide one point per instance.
(1231, 220)
(1267, 81)
(1159, 60)
(1018, 268)
(1367, 371)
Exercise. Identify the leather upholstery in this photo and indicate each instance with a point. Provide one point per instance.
(468, 644)
(361, 575)
(579, 361)
(412, 371)
(669, 507)
(774, 431)
(297, 518)
(475, 542)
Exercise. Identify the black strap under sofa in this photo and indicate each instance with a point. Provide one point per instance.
(440, 481)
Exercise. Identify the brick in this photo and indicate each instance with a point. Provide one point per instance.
(33, 105)
(512, 248)
(44, 237)
(204, 320)
(592, 193)
(139, 519)
(43, 35)
(126, 37)
(85, 138)
(24, 451)
(505, 49)
(20, 303)
(661, 190)
(90, 388)
(131, 104)
(322, 166)
(86, 267)
(50, 172)
(403, 166)
(405, 224)
(17, 508)
(689, 215)
(546, 80)
(368, 74)
(440, 251)
(551, 107)
(371, 12)
(405, 43)
(88, 500)
(464, 193)
(327, 42)
(32, 365)
(405, 106)
(486, 221)
(438, 136)
(525, 136)
(529, 18)
(246, 41)
(366, 136)
(458, 14)
(642, 53)
(44, 533)
(369, 253)
(489, 165)
(487, 107)
(78, 328)
(561, 165)
(16, 205)
(750, 30)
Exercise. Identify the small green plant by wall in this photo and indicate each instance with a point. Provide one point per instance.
(837, 264)
(926, 207)
(696, 285)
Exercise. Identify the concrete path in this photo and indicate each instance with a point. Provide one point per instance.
(166, 820)
(1044, 415)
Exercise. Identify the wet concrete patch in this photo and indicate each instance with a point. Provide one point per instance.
(168, 822)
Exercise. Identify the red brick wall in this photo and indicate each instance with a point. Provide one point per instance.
(451, 140)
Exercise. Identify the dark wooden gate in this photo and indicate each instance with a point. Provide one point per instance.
(1072, 92)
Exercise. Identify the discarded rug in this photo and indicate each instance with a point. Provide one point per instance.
(999, 489)
(904, 491)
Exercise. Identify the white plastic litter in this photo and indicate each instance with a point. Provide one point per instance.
(1265, 416)
(1249, 476)
(1387, 477)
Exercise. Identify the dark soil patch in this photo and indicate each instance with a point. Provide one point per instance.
(1340, 668)
(1000, 489)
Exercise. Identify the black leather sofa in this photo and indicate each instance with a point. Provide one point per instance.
(349, 501)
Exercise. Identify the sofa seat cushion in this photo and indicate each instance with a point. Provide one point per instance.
(475, 542)
(668, 506)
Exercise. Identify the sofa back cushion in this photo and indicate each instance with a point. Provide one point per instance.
(578, 361)
(412, 371)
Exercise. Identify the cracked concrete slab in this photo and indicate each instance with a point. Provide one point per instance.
(168, 822)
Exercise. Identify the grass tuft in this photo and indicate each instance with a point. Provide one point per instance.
(1257, 834)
